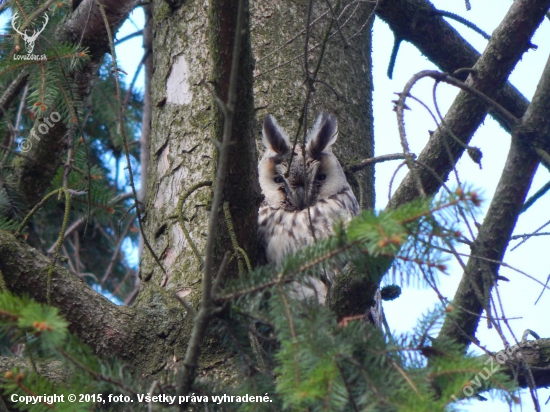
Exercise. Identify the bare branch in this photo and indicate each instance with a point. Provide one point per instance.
(512, 189)
(89, 313)
(355, 167)
(504, 50)
(417, 22)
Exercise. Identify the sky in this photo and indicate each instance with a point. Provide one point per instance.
(518, 295)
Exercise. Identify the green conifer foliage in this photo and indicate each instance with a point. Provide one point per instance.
(91, 168)
(295, 350)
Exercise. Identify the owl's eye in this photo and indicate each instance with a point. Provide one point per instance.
(321, 177)
(278, 179)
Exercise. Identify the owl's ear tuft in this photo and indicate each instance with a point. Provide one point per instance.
(323, 134)
(274, 137)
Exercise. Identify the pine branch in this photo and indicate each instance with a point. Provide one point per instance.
(35, 175)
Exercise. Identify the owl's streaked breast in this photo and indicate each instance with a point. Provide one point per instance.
(282, 232)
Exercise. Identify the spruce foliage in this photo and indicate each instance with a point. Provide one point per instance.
(100, 208)
(293, 349)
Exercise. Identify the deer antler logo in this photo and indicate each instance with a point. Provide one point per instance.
(29, 40)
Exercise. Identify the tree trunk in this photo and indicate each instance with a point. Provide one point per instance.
(192, 61)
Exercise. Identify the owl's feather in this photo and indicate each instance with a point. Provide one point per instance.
(305, 194)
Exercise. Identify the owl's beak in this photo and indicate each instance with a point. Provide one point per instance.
(301, 197)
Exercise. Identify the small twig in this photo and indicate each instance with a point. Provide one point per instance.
(525, 239)
(77, 223)
(446, 78)
(15, 152)
(116, 252)
(335, 19)
(298, 56)
(181, 217)
(338, 97)
(207, 307)
(134, 79)
(13, 128)
(399, 109)
(289, 41)
(97, 376)
(543, 289)
(448, 149)
(355, 167)
(239, 252)
(124, 137)
(129, 272)
(523, 236)
(128, 37)
(187, 306)
(462, 20)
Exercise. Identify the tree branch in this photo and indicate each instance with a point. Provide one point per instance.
(498, 225)
(417, 22)
(509, 41)
(95, 319)
(534, 355)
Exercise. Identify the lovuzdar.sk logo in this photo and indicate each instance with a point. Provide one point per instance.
(29, 39)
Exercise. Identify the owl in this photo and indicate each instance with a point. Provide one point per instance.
(303, 198)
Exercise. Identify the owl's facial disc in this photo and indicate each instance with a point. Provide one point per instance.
(299, 183)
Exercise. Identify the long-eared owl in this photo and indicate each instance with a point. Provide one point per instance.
(305, 198)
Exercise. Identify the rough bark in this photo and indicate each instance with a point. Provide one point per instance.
(193, 50)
